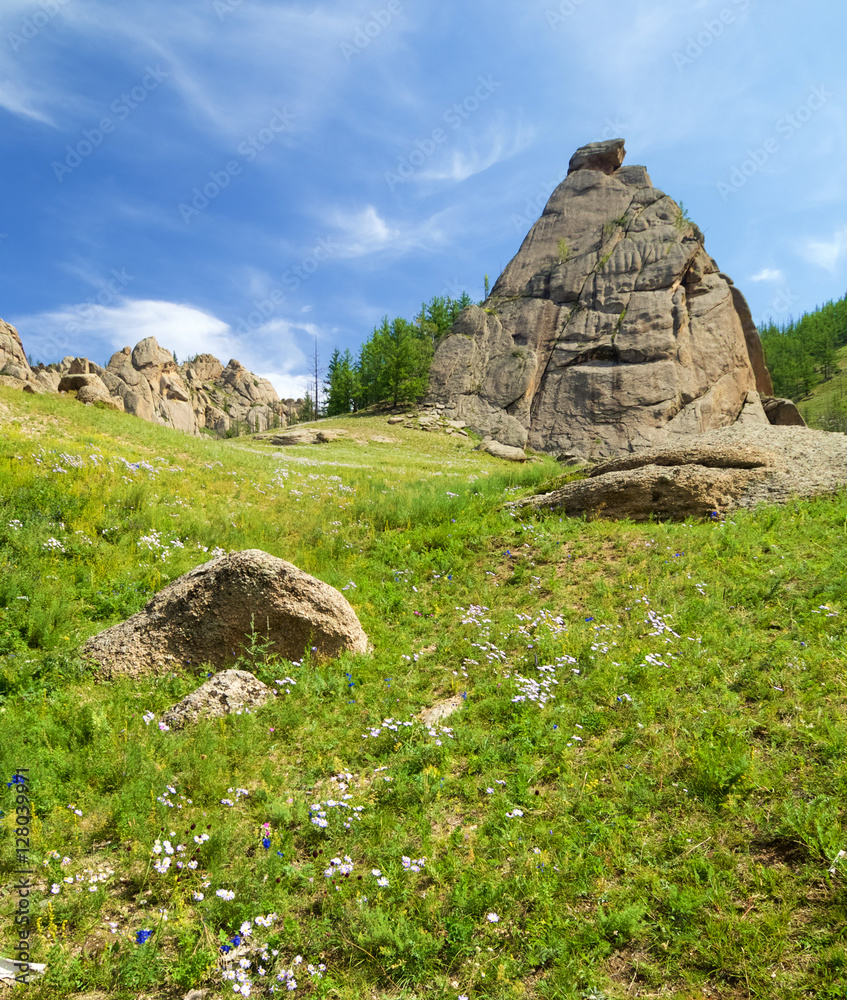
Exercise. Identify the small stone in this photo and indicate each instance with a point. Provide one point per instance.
(227, 692)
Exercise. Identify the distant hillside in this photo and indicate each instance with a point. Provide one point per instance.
(806, 359)
(826, 405)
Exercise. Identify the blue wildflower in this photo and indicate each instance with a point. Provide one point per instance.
(266, 842)
(142, 936)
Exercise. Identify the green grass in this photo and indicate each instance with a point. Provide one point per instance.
(657, 817)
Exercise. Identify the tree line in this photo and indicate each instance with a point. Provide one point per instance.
(803, 353)
(392, 365)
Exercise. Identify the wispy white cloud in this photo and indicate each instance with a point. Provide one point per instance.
(365, 232)
(826, 253)
(499, 142)
(19, 100)
(767, 274)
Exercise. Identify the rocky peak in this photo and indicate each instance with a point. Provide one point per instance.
(204, 368)
(610, 331)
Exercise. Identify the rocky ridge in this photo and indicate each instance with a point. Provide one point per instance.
(611, 331)
(200, 395)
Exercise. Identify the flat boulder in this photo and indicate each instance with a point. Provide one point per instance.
(209, 614)
(717, 472)
(504, 451)
(228, 692)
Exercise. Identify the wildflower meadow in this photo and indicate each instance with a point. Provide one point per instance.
(639, 791)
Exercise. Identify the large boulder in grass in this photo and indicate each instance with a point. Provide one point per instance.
(209, 614)
(229, 692)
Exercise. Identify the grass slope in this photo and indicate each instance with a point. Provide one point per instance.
(642, 793)
(827, 396)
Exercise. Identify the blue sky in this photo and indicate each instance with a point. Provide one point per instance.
(244, 176)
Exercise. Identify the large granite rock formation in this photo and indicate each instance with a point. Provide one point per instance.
(147, 382)
(13, 362)
(612, 330)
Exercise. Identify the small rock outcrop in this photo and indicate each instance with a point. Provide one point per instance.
(228, 692)
(209, 614)
(500, 450)
(13, 362)
(782, 412)
(15, 370)
(308, 435)
(713, 473)
(611, 331)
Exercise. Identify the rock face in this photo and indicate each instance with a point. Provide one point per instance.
(14, 367)
(150, 386)
(228, 692)
(208, 615)
(722, 470)
(611, 330)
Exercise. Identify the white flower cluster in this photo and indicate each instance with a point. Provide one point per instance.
(169, 852)
(339, 867)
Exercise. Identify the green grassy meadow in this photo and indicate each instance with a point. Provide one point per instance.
(641, 795)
